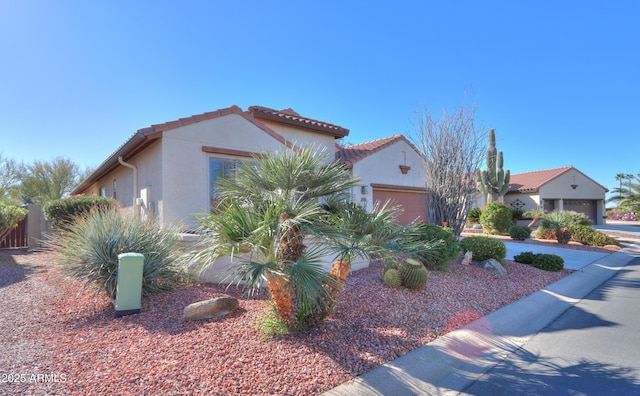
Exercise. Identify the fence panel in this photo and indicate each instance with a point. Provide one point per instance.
(18, 238)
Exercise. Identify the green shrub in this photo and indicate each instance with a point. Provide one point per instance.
(602, 239)
(548, 262)
(590, 236)
(582, 233)
(61, 212)
(545, 233)
(516, 213)
(484, 248)
(448, 248)
(524, 257)
(91, 246)
(10, 216)
(474, 215)
(496, 218)
(519, 233)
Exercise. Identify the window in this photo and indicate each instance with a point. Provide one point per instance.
(103, 191)
(219, 168)
(115, 188)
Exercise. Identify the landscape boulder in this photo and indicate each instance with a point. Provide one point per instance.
(494, 265)
(468, 256)
(215, 307)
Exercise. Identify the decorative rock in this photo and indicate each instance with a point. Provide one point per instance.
(215, 307)
(468, 256)
(494, 265)
(612, 247)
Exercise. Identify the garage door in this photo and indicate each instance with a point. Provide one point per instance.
(582, 206)
(412, 200)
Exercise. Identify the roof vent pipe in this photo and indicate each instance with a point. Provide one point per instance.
(135, 182)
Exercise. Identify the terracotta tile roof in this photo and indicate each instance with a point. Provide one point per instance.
(351, 154)
(532, 181)
(289, 116)
(191, 120)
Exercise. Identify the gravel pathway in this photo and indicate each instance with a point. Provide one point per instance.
(49, 327)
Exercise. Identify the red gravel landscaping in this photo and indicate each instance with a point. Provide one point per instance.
(87, 351)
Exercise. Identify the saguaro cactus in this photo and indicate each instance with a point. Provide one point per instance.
(493, 181)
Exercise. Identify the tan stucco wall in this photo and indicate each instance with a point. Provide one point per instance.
(303, 137)
(384, 167)
(186, 166)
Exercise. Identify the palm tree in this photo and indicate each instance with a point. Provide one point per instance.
(629, 177)
(271, 209)
(620, 177)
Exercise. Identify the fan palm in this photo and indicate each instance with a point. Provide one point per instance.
(270, 208)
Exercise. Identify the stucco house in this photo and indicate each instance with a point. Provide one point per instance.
(168, 171)
(564, 188)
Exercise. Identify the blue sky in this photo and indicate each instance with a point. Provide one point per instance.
(558, 80)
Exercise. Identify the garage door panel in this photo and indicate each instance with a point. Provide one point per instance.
(587, 207)
(414, 204)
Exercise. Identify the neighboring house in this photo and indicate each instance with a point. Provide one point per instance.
(168, 171)
(558, 189)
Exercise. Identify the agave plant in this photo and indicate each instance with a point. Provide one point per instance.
(560, 223)
(270, 210)
(90, 245)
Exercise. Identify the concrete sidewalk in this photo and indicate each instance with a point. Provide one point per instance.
(453, 362)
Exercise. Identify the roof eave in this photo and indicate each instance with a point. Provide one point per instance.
(131, 147)
(337, 132)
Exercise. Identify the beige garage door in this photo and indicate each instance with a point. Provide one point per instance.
(413, 201)
(582, 206)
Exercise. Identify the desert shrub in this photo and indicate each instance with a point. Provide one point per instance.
(548, 262)
(10, 216)
(519, 233)
(545, 233)
(602, 239)
(516, 213)
(564, 218)
(474, 215)
(590, 236)
(496, 218)
(524, 257)
(89, 251)
(446, 250)
(582, 234)
(484, 248)
(61, 213)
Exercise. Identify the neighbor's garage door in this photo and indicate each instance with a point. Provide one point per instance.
(412, 199)
(587, 207)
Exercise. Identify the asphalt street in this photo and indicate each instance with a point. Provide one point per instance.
(591, 349)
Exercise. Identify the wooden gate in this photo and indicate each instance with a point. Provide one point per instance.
(17, 238)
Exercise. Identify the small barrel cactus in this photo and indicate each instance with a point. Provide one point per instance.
(392, 278)
(414, 274)
(389, 263)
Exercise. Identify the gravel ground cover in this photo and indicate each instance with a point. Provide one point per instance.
(50, 327)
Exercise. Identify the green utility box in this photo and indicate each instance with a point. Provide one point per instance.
(129, 284)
